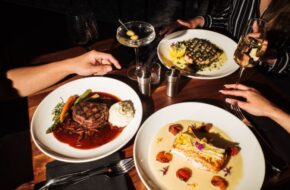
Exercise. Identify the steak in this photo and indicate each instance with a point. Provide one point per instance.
(91, 115)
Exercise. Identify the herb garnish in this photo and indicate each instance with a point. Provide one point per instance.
(56, 113)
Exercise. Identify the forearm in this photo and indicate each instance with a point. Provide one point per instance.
(280, 117)
(28, 80)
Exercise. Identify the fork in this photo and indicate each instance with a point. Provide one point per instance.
(278, 169)
(114, 169)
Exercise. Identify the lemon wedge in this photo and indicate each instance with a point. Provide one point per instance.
(177, 50)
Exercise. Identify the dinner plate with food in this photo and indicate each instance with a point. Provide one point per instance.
(86, 119)
(198, 53)
(197, 146)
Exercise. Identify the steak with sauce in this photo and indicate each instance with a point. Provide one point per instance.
(91, 115)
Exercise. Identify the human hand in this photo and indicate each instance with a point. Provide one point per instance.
(258, 32)
(191, 23)
(93, 63)
(264, 43)
(255, 104)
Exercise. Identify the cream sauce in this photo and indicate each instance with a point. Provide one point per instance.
(200, 179)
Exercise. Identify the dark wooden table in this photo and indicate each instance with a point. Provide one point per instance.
(190, 90)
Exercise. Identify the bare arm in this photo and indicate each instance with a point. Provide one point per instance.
(28, 80)
(256, 104)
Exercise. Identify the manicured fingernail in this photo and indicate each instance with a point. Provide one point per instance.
(227, 100)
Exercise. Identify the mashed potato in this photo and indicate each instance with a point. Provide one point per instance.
(121, 113)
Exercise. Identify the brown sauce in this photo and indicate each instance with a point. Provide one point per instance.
(99, 138)
(104, 136)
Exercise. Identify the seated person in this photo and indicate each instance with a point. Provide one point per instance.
(28, 80)
(233, 18)
(15, 85)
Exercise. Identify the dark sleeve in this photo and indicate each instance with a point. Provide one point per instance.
(219, 20)
(282, 63)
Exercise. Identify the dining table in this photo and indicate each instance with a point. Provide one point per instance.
(190, 90)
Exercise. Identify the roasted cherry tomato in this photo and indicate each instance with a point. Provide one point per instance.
(184, 174)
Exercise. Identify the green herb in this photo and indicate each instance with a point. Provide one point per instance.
(51, 128)
(127, 106)
(83, 96)
(56, 113)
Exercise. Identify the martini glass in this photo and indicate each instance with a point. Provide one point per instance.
(135, 34)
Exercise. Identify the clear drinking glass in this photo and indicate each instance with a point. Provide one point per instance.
(251, 46)
(135, 34)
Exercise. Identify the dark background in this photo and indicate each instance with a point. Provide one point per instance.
(33, 27)
(30, 28)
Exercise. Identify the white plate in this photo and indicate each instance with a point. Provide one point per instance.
(222, 41)
(42, 119)
(251, 152)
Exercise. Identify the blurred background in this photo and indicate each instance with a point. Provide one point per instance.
(34, 27)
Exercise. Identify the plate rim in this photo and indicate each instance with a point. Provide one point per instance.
(141, 128)
(83, 160)
(197, 76)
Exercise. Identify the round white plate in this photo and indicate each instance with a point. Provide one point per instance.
(251, 152)
(42, 119)
(222, 41)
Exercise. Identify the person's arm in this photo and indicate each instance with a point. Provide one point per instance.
(220, 20)
(205, 21)
(256, 104)
(190, 23)
(28, 80)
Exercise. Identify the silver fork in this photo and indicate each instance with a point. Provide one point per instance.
(238, 112)
(240, 115)
(114, 169)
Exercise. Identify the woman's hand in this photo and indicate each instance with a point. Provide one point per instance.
(93, 63)
(255, 104)
(191, 23)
